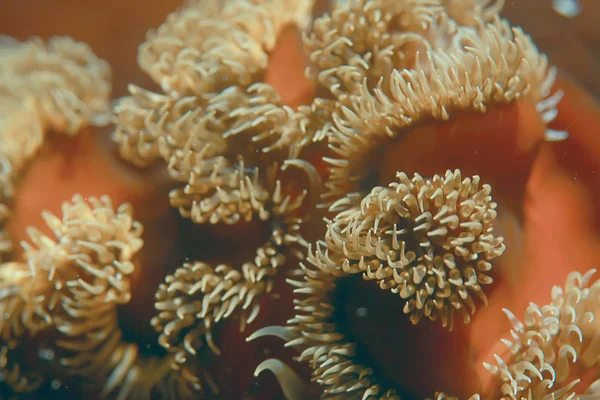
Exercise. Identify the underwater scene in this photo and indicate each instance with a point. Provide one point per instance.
(300, 199)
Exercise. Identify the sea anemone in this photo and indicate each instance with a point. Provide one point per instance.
(197, 296)
(209, 59)
(553, 345)
(203, 137)
(62, 287)
(59, 87)
(221, 158)
(547, 353)
(34, 102)
(449, 69)
(217, 126)
(68, 290)
(469, 93)
(429, 241)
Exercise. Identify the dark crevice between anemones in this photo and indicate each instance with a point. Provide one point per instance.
(221, 243)
(158, 258)
(402, 355)
(352, 306)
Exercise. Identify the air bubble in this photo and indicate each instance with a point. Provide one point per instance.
(567, 8)
(46, 354)
(361, 312)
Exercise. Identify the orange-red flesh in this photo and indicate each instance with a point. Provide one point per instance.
(414, 359)
(498, 145)
(560, 232)
(67, 166)
(550, 218)
(287, 63)
(86, 165)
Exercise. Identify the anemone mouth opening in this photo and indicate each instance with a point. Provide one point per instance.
(379, 330)
(351, 299)
(364, 315)
(413, 361)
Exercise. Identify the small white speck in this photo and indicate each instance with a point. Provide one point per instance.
(552, 135)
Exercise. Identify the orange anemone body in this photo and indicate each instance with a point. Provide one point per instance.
(499, 145)
(87, 164)
(550, 227)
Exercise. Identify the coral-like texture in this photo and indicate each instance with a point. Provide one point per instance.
(548, 353)
(245, 163)
(198, 296)
(71, 286)
(220, 129)
(57, 86)
(394, 70)
(63, 82)
(405, 238)
(552, 343)
(430, 241)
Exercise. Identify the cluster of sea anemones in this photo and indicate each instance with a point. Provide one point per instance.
(203, 210)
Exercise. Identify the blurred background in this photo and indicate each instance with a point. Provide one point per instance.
(114, 28)
(568, 31)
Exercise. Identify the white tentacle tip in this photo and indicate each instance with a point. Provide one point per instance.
(552, 135)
